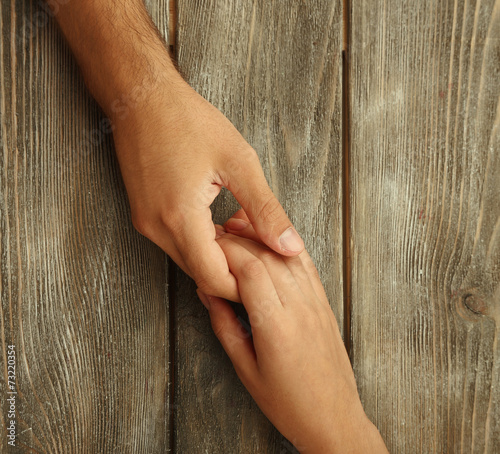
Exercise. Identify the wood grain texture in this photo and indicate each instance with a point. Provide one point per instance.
(274, 69)
(159, 10)
(426, 221)
(83, 296)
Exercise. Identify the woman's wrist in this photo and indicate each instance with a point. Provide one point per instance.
(353, 433)
(362, 437)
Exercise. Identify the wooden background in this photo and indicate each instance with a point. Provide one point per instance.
(391, 107)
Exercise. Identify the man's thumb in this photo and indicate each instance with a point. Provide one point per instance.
(264, 211)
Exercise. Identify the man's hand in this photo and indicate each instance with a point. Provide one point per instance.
(176, 152)
(294, 365)
(175, 149)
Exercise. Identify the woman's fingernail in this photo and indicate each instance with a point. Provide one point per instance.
(236, 224)
(203, 298)
(219, 231)
(291, 241)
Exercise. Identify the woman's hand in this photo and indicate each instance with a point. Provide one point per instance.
(294, 365)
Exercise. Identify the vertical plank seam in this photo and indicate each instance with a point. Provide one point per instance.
(172, 26)
(172, 335)
(171, 274)
(346, 193)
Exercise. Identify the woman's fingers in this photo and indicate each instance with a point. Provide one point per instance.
(301, 266)
(240, 225)
(312, 273)
(286, 285)
(255, 285)
(232, 335)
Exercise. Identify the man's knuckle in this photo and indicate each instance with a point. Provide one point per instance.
(212, 282)
(270, 210)
(207, 283)
(142, 224)
(171, 221)
(240, 162)
(250, 156)
(244, 151)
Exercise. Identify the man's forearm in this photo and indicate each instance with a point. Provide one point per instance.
(118, 48)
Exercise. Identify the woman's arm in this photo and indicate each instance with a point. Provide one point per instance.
(294, 365)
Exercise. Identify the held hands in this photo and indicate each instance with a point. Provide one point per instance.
(176, 151)
(295, 365)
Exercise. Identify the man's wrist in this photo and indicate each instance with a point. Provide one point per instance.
(121, 54)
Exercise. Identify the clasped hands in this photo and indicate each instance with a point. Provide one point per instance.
(176, 151)
(294, 364)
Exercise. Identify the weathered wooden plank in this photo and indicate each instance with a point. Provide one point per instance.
(83, 296)
(425, 221)
(274, 69)
(159, 11)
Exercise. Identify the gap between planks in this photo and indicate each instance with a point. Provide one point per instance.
(171, 274)
(172, 25)
(346, 189)
(172, 335)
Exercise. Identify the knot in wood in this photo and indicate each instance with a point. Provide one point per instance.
(474, 304)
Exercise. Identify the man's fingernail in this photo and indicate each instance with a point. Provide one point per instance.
(291, 241)
(236, 224)
(204, 299)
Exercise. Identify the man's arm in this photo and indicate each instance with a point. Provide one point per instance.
(117, 48)
(176, 151)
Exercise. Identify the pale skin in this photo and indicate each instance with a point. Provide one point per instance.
(176, 151)
(295, 364)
